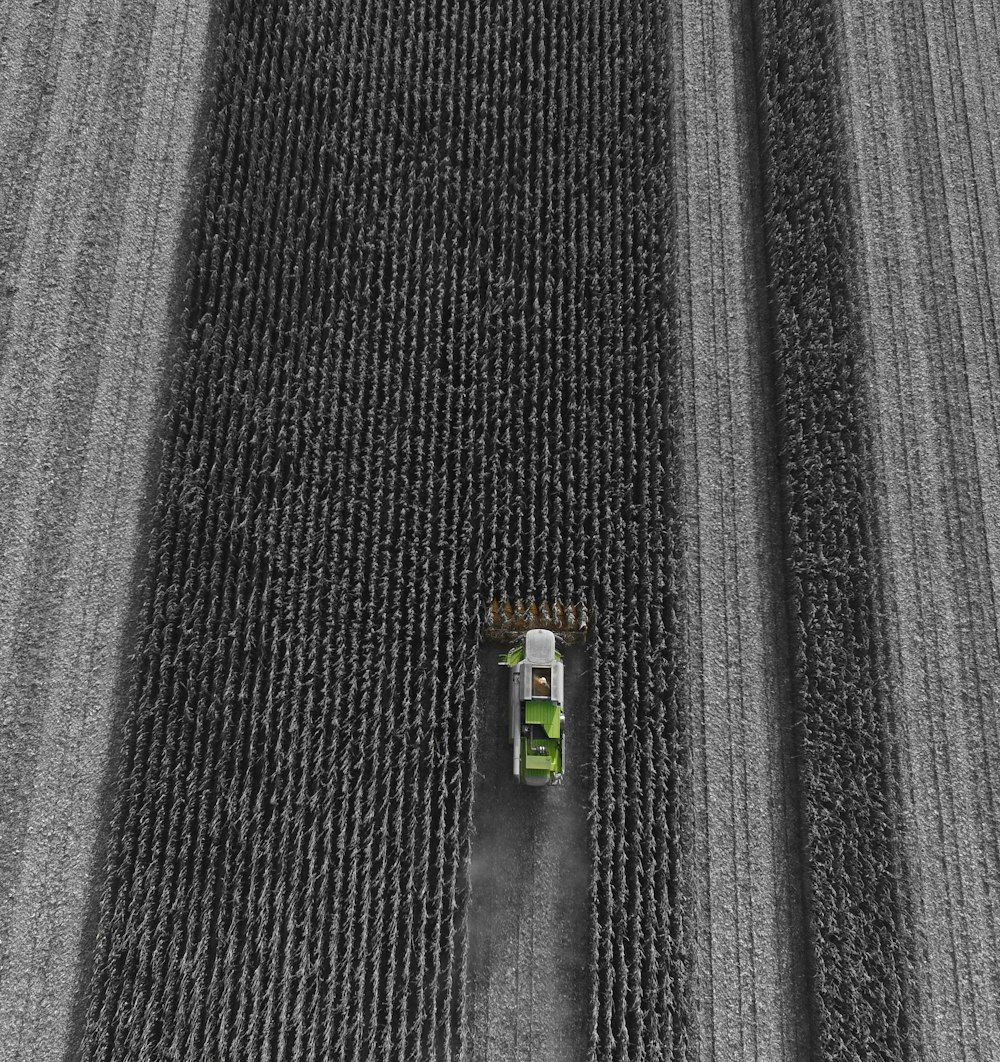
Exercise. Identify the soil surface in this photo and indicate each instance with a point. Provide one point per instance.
(923, 87)
(749, 984)
(529, 929)
(98, 106)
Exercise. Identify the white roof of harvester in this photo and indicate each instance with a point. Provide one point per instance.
(540, 647)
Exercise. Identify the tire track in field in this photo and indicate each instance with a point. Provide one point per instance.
(94, 232)
(528, 919)
(29, 49)
(921, 84)
(748, 980)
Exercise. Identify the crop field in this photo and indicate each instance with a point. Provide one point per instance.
(383, 415)
(858, 939)
(322, 325)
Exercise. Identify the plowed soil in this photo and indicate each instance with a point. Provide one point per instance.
(923, 86)
(97, 123)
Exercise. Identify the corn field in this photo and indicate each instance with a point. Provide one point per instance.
(431, 361)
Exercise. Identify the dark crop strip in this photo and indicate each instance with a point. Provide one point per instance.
(857, 939)
(582, 478)
(430, 362)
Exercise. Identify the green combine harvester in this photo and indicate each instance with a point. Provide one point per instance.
(537, 733)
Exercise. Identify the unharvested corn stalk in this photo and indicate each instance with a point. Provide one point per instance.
(505, 621)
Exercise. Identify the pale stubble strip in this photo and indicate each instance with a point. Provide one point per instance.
(48, 892)
(922, 119)
(748, 980)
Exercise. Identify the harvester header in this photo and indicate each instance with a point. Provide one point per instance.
(506, 621)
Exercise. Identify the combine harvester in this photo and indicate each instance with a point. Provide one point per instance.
(537, 717)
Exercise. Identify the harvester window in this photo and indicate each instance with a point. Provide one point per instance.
(541, 682)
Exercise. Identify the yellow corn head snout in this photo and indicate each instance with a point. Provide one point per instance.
(506, 621)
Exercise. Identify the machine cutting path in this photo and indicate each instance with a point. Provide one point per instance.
(528, 922)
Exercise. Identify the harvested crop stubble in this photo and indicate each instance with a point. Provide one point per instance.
(855, 910)
(745, 853)
(98, 120)
(431, 363)
(923, 84)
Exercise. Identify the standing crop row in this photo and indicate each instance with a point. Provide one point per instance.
(293, 800)
(855, 904)
(430, 361)
(582, 475)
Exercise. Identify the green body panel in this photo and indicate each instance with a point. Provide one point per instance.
(537, 763)
(514, 657)
(541, 756)
(545, 713)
